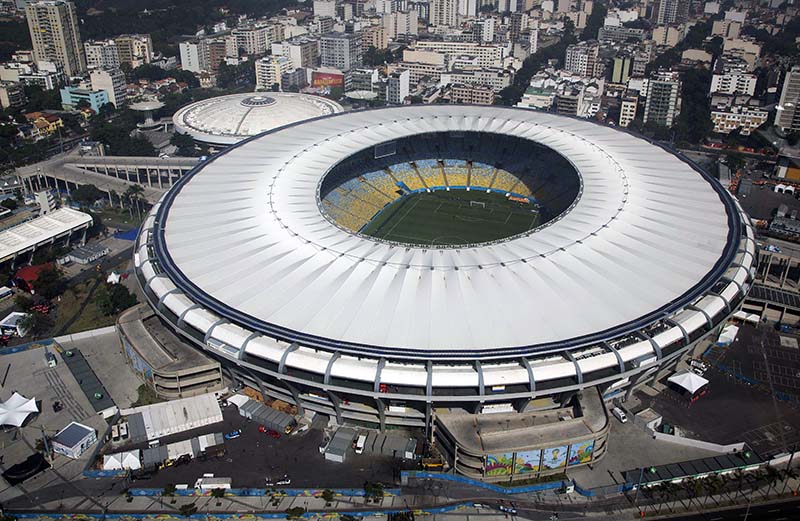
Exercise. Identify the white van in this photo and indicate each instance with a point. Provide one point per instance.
(362, 439)
(619, 414)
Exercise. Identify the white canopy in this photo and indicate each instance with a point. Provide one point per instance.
(122, 460)
(728, 335)
(688, 380)
(16, 409)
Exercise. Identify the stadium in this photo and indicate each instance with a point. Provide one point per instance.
(225, 120)
(416, 266)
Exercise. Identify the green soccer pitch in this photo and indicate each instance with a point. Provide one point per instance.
(451, 218)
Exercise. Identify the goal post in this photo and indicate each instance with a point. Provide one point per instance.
(481, 204)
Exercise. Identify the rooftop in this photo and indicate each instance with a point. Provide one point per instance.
(226, 120)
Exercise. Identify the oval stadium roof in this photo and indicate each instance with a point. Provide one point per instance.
(226, 120)
(244, 236)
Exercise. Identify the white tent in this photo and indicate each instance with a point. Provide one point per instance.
(16, 409)
(728, 335)
(122, 460)
(688, 380)
(113, 278)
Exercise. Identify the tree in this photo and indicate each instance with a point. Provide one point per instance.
(218, 492)
(23, 302)
(169, 490)
(9, 204)
(133, 196)
(373, 490)
(35, 323)
(86, 195)
(188, 509)
(113, 298)
(50, 283)
(295, 512)
(594, 22)
(327, 495)
(184, 142)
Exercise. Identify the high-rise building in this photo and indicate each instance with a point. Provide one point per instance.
(270, 71)
(663, 102)
(302, 51)
(787, 117)
(53, 25)
(581, 58)
(254, 39)
(101, 54)
(191, 56)
(113, 82)
(627, 110)
(342, 51)
(517, 24)
(621, 69)
(670, 11)
(444, 12)
(134, 49)
(397, 86)
(325, 8)
(401, 23)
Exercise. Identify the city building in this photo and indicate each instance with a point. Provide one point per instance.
(341, 51)
(397, 86)
(619, 33)
(621, 69)
(581, 58)
(627, 110)
(71, 98)
(670, 11)
(302, 51)
(731, 77)
(53, 26)
(497, 79)
(444, 13)
(113, 82)
(486, 55)
(376, 35)
(325, 8)
(191, 56)
(253, 40)
(101, 54)
(471, 94)
(787, 117)
(12, 94)
(134, 49)
(400, 24)
(663, 103)
(743, 119)
(270, 70)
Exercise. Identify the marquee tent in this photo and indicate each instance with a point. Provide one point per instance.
(122, 460)
(688, 381)
(16, 410)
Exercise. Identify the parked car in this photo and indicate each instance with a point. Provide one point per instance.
(273, 434)
(233, 435)
(183, 460)
(508, 510)
(285, 480)
(269, 482)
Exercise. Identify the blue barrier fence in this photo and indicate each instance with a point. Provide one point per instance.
(24, 347)
(255, 492)
(538, 487)
(104, 473)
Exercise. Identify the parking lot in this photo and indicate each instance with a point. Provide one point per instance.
(733, 410)
(254, 456)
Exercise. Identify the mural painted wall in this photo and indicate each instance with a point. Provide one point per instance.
(499, 464)
(137, 362)
(554, 458)
(527, 462)
(581, 452)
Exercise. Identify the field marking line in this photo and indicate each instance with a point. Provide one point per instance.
(416, 201)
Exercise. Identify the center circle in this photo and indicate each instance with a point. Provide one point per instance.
(449, 189)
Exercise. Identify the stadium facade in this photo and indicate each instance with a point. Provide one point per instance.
(647, 256)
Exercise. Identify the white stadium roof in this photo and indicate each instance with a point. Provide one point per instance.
(226, 120)
(245, 238)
